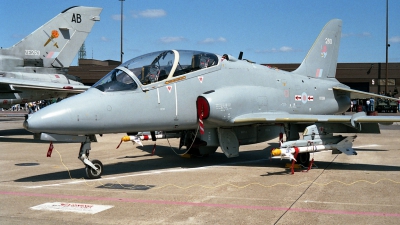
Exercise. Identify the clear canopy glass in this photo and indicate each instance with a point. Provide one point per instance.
(155, 67)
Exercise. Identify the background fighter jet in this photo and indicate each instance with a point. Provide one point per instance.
(215, 101)
(35, 68)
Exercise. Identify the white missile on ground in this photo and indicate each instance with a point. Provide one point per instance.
(288, 149)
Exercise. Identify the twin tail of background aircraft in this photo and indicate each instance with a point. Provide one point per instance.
(36, 67)
(213, 101)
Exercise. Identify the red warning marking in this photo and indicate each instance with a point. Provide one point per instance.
(286, 92)
(50, 149)
(169, 88)
(201, 124)
(201, 79)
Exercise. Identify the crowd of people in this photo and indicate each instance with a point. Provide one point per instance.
(362, 105)
(376, 104)
(32, 107)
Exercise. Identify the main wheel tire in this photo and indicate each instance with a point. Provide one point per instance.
(92, 173)
(303, 159)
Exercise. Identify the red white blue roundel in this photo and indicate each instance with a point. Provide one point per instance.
(304, 98)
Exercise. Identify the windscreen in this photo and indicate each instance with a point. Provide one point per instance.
(116, 80)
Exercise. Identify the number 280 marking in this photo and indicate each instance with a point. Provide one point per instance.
(328, 41)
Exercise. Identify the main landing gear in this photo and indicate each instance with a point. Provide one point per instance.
(94, 168)
(303, 159)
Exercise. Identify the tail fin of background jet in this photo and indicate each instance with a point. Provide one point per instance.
(56, 43)
(321, 60)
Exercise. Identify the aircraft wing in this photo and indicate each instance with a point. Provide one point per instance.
(360, 117)
(10, 85)
(354, 94)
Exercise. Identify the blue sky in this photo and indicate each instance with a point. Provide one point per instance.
(267, 31)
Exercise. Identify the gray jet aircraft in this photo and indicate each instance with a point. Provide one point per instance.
(213, 101)
(35, 68)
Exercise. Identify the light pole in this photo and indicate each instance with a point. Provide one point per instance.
(387, 45)
(122, 19)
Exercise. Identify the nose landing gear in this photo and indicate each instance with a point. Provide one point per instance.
(94, 168)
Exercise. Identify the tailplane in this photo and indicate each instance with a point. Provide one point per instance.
(56, 43)
(321, 60)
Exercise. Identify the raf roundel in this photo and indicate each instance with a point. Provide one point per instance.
(304, 98)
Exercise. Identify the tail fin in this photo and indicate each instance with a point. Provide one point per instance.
(57, 42)
(321, 60)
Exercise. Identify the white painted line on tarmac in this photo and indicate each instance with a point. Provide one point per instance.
(78, 181)
(82, 180)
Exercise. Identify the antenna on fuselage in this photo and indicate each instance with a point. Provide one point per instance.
(240, 55)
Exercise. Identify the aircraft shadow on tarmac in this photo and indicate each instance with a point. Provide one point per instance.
(8, 136)
(13, 132)
(370, 150)
(168, 160)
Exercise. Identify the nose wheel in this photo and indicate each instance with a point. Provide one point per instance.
(92, 173)
(93, 168)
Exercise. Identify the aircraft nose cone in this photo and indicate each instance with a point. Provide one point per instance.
(75, 115)
(26, 124)
(46, 119)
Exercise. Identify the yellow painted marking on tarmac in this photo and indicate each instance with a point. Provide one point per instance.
(69, 173)
(276, 184)
(229, 184)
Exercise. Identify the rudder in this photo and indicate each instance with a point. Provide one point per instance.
(57, 42)
(321, 59)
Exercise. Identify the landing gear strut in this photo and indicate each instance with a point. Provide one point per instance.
(192, 143)
(303, 159)
(94, 168)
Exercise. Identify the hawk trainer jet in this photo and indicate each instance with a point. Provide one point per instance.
(213, 101)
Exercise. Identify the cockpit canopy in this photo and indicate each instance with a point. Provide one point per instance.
(155, 67)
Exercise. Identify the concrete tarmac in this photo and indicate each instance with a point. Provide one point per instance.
(140, 188)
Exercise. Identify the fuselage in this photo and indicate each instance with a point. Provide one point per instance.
(238, 87)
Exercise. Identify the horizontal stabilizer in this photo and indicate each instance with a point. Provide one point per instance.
(355, 94)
